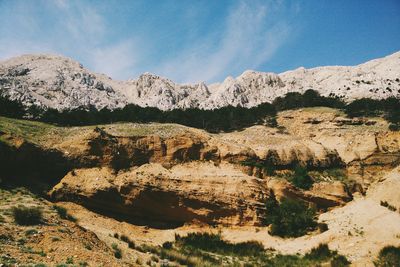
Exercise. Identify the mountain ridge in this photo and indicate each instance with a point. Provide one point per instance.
(59, 82)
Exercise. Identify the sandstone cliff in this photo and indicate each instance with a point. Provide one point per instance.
(165, 174)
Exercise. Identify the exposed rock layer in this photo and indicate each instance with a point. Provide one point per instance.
(167, 175)
(160, 197)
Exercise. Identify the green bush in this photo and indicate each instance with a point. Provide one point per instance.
(340, 261)
(117, 251)
(394, 127)
(69, 260)
(290, 218)
(388, 256)
(124, 238)
(205, 249)
(301, 179)
(272, 209)
(320, 253)
(167, 245)
(27, 215)
(309, 98)
(10, 108)
(388, 108)
(222, 119)
(214, 243)
(322, 227)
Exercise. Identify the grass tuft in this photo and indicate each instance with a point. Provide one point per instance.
(63, 213)
(27, 215)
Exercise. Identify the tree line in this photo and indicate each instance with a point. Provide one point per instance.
(222, 119)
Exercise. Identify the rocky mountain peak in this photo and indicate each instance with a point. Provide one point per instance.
(62, 83)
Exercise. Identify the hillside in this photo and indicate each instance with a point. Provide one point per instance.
(61, 83)
(155, 183)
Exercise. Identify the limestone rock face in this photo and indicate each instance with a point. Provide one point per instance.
(153, 195)
(61, 83)
(56, 82)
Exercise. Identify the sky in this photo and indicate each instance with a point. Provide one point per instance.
(201, 40)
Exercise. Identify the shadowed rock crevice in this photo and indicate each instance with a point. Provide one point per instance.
(27, 163)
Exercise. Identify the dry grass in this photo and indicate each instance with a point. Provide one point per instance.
(48, 135)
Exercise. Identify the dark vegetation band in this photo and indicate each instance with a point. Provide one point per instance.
(223, 119)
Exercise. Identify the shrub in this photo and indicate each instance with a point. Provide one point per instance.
(117, 251)
(118, 254)
(31, 232)
(340, 261)
(301, 179)
(310, 98)
(291, 218)
(286, 261)
(394, 127)
(322, 227)
(126, 239)
(387, 205)
(371, 107)
(131, 244)
(272, 209)
(388, 256)
(167, 245)
(69, 260)
(27, 215)
(10, 108)
(88, 246)
(63, 213)
(214, 243)
(181, 257)
(320, 253)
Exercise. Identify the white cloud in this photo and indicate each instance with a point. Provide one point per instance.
(250, 35)
(83, 22)
(247, 41)
(117, 61)
(77, 29)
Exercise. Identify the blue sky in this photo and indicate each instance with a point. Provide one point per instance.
(199, 40)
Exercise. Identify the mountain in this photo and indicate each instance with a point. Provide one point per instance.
(62, 83)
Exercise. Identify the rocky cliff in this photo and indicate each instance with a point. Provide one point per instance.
(61, 83)
(166, 175)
